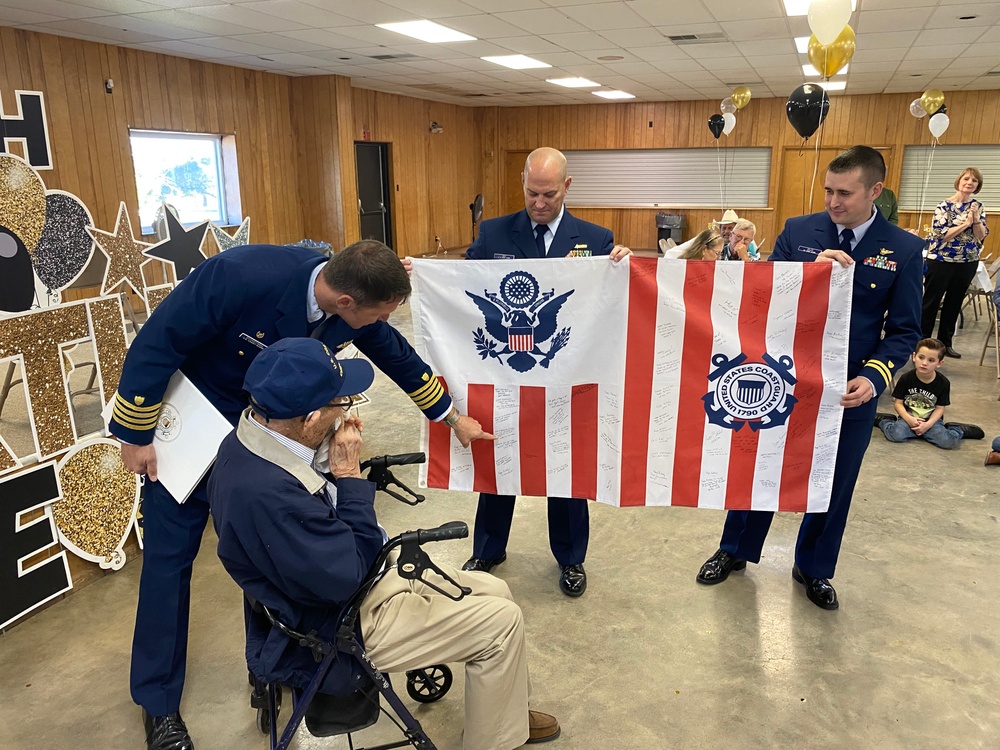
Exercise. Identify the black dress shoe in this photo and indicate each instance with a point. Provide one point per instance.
(819, 590)
(477, 563)
(949, 352)
(969, 431)
(573, 580)
(166, 732)
(718, 567)
(880, 418)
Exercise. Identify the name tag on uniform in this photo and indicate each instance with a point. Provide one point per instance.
(880, 262)
(503, 256)
(810, 250)
(251, 340)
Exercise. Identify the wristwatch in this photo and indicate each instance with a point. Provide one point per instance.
(452, 419)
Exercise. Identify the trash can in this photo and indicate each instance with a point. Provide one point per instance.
(669, 227)
(320, 247)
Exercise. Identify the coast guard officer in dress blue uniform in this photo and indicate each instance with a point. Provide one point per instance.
(885, 327)
(230, 308)
(544, 229)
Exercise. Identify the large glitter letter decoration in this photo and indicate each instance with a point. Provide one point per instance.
(37, 339)
(107, 327)
(26, 586)
(29, 127)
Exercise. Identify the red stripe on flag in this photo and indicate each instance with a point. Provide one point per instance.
(639, 350)
(758, 279)
(484, 477)
(814, 299)
(696, 361)
(584, 423)
(531, 441)
(439, 452)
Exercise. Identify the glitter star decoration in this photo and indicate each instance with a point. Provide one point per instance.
(182, 248)
(124, 253)
(240, 237)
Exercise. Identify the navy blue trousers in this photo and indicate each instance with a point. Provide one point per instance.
(171, 539)
(569, 527)
(820, 534)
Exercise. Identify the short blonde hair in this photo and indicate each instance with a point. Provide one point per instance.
(975, 173)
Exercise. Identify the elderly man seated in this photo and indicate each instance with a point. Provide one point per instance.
(297, 531)
(739, 243)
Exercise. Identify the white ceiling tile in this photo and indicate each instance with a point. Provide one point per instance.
(923, 66)
(948, 82)
(647, 36)
(771, 28)
(678, 66)
(769, 47)
(471, 49)
(982, 50)
(878, 54)
(16, 16)
(886, 40)
(60, 10)
(146, 26)
(579, 40)
(483, 26)
(496, 6)
(947, 16)
(937, 52)
(434, 9)
(324, 38)
(238, 46)
(281, 41)
(435, 66)
(527, 45)
(116, 6)
(189, 49)
(728, 10)
(187, 20)
(368, 11)
(867, 67)
(631, 68)
(373, 35)
(608, 15)
(187, 3)
(241, 16)
(546, 21)
(936, 37)
(975, 66)
(660, 13)
(307, 15)
(689, 28)
(97, 32)
(710, 51)
(914, 19)
(660, 53)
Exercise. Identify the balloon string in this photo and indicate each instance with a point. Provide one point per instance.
(819, 138)
(718, 159)
(923, 190)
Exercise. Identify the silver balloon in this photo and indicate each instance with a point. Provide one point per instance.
(916, 109)
(727, 107)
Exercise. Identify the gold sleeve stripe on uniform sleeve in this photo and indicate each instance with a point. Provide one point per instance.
(132, 424)
(136, 409)
(882, 369)
(429, 397)
(426, 388)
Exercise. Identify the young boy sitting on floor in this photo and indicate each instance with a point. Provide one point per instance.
(919, 399)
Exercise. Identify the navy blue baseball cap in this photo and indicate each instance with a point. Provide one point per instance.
(295, 376)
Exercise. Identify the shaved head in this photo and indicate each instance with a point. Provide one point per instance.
(545, 184)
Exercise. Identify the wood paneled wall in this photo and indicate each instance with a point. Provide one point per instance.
(875, 120)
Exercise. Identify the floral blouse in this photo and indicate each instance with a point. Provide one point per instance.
(964, 248)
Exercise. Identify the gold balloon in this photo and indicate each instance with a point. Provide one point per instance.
(932, 100)
(741, 96)
(829, 59)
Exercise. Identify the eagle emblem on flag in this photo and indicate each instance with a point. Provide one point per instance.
(750, 393)
(519, 319)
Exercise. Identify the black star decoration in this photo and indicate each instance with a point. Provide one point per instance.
(182, 248)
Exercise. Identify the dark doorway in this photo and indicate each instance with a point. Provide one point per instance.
(374, 192)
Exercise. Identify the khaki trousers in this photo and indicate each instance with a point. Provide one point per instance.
(407, 625)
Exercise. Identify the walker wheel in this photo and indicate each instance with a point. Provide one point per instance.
(429, 684)
(264, 720)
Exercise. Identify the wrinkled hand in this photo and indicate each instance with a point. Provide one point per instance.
(859, 391)
(140, 459)
(468, 429)
(345, 449)
(742, 249)
(829, 256)
(408, 265)
(618, 252)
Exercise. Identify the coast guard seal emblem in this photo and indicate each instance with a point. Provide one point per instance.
(518, 320)
(750, 393)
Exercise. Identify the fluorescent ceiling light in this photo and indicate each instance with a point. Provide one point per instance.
(517, 62)
(801, 7)
(613, 94)
(832, 85)
(809, 70)
(427, 31)
(572, 83)
(802, 44)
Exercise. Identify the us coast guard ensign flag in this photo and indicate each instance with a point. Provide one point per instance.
(647, 382)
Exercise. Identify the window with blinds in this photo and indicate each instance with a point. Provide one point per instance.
(670, 177)
(929, 175)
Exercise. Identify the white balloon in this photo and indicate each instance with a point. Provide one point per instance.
(917, 109)
(938, 124)
(730, 119)
(827, 18)
(727, 106)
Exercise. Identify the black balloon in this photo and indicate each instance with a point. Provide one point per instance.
(942, 110)
(716, 123)
(807, 107)
(17, 279)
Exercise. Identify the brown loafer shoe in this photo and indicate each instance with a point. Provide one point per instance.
(541, 727)
(992, 458)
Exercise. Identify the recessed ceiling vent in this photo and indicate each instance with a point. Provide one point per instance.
(713, 37)
(399, 56)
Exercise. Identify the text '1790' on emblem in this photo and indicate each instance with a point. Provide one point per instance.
(750, 393)
(519, 321)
